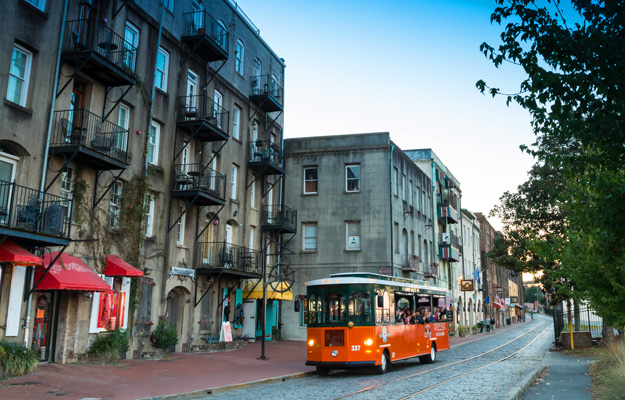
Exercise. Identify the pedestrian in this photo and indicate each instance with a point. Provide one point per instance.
(487, 322)
(532, 315)
(227, 308)
(492, 324)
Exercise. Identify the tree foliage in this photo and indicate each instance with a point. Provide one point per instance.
(573, 56)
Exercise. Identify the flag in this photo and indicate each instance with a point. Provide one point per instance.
(486, 301)
(476, 275)
(474, 297)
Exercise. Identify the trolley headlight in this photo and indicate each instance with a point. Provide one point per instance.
(368, 342)
(311, 342)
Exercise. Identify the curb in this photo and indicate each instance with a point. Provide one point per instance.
(516, 392)
(234, 386)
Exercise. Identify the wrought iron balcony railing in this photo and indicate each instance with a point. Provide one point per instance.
(267, 85)
(83, 128)
(91, 35)
(197, 176)
(265, 152)
(229, 256)
(203, 109)
(198, 23)
(30, 210)
(279, 216)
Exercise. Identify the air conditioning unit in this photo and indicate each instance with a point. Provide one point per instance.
(446, 238)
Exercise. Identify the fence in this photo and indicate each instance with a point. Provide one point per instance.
(586, 321)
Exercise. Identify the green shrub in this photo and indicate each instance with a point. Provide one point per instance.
(609, 372)
(16, 359)
(110, 345)
(463, 330)
(165, 335)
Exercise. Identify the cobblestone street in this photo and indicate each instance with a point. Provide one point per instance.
(468, 371)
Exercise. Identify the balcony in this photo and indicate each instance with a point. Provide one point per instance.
(100, 52)
(88, 139)
(207, 37)
(280, 219)
(266, 158)
(411, 264)
(267, 93)
(204, 186)
(430, 271)
(449, 253)
(446, 211)
(29, 214)
(229, 259)
(200, 115)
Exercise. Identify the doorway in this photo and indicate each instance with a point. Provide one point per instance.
(43, 331)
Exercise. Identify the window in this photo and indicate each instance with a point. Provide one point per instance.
(212, 185)
(131, 36)
(383, 315)
(19, 75)
(250, 242)
(310, 237)
(153, 139)
(40, 4)
(353, 235)
(310, 180)
(334, 307)
(162, 69)
(66, 190)
(169, 4)
(180, 228)
(148, 222)
(218, 100)
(238, 57)
(123, 120)
(359, 307)
(395, 183)
(410, 188)
(236, 122)
(253, 193)
(233, 182)
(221, 36)
(403, 187)
(115, 205)
(352, 178)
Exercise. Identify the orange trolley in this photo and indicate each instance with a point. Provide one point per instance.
(359, 320)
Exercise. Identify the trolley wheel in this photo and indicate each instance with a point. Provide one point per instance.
(429, 358)
(384, 362)
(323, 371)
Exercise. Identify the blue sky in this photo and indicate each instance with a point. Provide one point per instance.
(406, 67)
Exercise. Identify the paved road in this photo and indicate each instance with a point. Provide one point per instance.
(469, 371)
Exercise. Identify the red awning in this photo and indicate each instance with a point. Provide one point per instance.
(115, 266)
(17, 255)
(68, 273)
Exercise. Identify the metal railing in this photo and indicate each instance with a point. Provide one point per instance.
(430, 270)
(202, 108)
(587, 321)
(30, 210)
(201, 23)
(82, 127)
(454, 241)
(229, 256)
(267, 85)
(410, 263)
(92, 35)
(276, 215)
(264, 151)
(197, 176)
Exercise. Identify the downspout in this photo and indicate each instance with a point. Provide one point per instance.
(391, 197)
(434, 217)
(46, 150)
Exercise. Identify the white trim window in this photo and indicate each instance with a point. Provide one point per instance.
(310, 237)
(352, 178)
(148, 224)
(115, 205)
(236, 123)
(162, 69)
(311, 180)
(40, 4)
(123, 120)
(180, 228)
(395, 182)
(131, 46)
(66, 191)
(352, 229)
(233, 182)
(253, 193)
(19, 75)
(238, 57)
(403, 187)
(154, 136)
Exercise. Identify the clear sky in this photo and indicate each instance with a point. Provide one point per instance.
(406, 67)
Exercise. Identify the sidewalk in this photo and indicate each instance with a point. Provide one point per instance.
(196, 373)
(566, 377)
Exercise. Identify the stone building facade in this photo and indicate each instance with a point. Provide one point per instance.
(154, 133)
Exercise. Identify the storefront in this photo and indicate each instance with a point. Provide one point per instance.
(253, 290)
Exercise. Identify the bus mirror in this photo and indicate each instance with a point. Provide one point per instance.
(296, 305)
(380, 302)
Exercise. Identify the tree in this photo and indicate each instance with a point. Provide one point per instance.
(574, 58)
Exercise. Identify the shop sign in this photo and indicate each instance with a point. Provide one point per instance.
(182, 271)
(467, 285)
(514, 299)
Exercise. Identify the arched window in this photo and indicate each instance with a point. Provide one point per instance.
(221, 35)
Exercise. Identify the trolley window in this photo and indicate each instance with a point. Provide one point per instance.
(383, 309)
(334, 307)
(315, 314)
(403, 301)
(360, 307)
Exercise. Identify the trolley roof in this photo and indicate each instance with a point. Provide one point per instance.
(377, 279)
